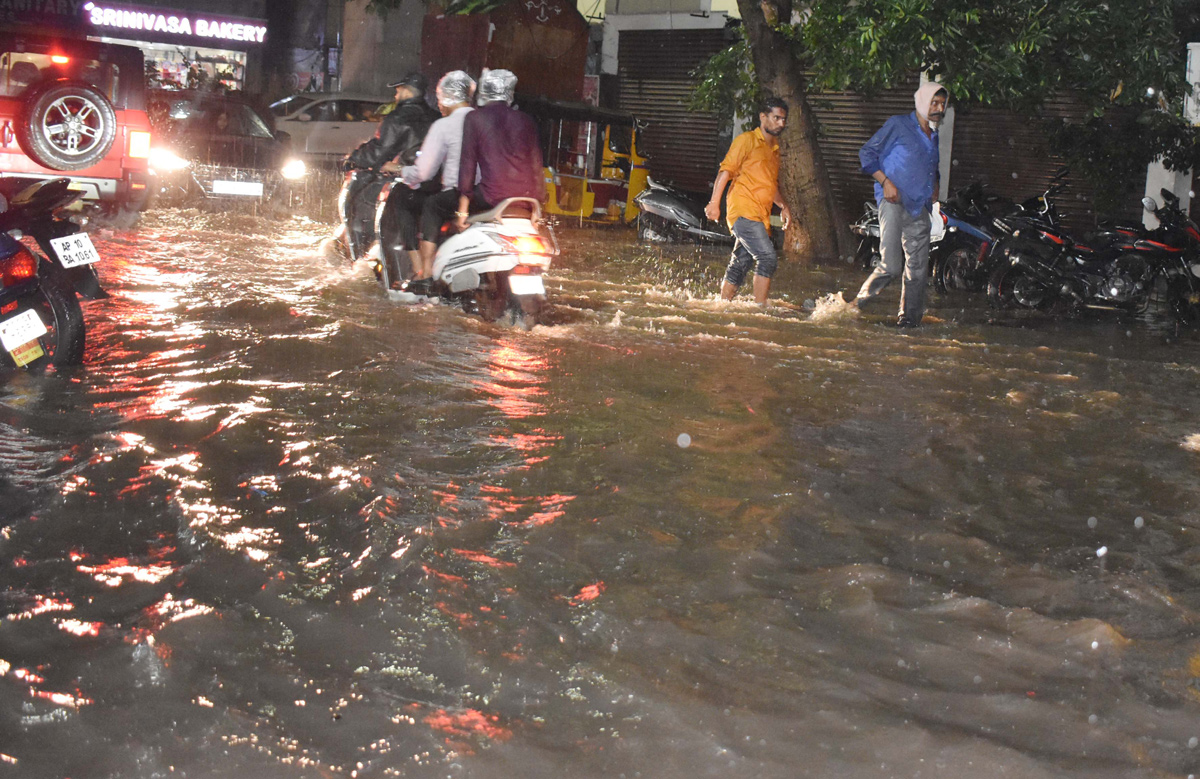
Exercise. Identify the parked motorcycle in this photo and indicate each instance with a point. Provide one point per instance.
(667, 215)
(1132, 271)
(494, 268)
(41, 322)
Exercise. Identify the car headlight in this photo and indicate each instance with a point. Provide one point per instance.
(166, 160)
(294, 169)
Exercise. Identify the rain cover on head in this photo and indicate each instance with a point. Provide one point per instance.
(925, 94)
(497, 85)
(455, 87)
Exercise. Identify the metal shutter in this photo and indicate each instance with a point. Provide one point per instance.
(655, 69)
(1011, 154)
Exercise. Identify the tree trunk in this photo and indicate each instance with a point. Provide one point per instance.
(817, 228)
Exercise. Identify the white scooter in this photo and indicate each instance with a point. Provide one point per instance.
(494, 268)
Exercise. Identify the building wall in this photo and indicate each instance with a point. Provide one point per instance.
(378, 50)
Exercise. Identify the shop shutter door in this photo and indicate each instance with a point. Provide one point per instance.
(656, 84)
(1010, 153)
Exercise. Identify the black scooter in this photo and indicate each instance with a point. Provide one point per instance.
(41, 322)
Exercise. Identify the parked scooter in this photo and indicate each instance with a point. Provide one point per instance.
(668, 215)
(41, 322)
(494, 268)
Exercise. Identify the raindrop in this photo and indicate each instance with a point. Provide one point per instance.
(980, 458)
(1014, 175)
(885, 561)
(1192, 742)
(1092, 522)
(827, 496)
(1102, 551)
(928, 450)
(1095, 645)
(1129, 334)
(684, 440)
(1093, 719)
(945, 563)
(900, 662)
(978, 679)
(1138, 523)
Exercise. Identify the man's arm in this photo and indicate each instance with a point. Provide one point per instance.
(430, 158)
(713, 209)
(871, 156)
(729, 168)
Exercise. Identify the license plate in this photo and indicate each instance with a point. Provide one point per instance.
(19, 330)
(75, 250)
(23, 355)
(526, 285)
(250, 188)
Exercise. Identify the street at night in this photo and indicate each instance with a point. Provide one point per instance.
(278, 525)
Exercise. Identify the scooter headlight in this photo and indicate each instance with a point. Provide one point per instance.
(166, 161)
(294, 169)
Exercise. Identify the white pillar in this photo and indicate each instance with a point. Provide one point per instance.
(1158, 177)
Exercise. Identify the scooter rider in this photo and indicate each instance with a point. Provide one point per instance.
(502, 144)
(440, 151)
(399, 137)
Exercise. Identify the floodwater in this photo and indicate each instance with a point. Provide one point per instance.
(279, 526)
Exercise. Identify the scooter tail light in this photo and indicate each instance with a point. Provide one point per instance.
(18, 267)
(529, 244)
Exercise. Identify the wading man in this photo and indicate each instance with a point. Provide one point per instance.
(753, 165)
(903, 159)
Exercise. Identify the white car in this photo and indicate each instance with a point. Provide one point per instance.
(326, 126)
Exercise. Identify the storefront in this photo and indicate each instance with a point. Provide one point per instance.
(183, 47)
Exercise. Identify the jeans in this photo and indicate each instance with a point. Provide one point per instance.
(903, 248)
(751, 246)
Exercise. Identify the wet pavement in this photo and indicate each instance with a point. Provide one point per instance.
(278, 526)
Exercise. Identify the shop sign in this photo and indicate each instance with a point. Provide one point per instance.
(161, 22)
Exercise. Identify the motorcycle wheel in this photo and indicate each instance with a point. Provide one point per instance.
(530, 307)
(653, 229)
(59, 310)
(867, 257)
(957, 271)
(491, 298)
(1012, 286)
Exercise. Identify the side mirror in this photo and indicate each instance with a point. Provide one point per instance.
(1149, 204)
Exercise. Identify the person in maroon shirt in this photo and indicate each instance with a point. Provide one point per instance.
(502, 143)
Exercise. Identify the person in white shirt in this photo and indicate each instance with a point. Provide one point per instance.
(440, 151)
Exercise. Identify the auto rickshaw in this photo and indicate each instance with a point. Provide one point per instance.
(593, 169)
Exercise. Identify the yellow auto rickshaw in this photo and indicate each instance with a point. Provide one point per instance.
(593, 169)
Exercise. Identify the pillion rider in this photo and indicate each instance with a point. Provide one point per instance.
(440, 152)
(397, 140)
(500, 150)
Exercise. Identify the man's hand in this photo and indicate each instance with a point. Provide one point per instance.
(460, 222)
(785, 216)
(890, 193)
(390, 167)
(713, 210)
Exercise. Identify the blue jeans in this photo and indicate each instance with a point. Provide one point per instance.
(751, 246)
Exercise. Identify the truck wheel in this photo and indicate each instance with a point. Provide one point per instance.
(65, 125)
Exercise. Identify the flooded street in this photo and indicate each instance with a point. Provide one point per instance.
(279, 526)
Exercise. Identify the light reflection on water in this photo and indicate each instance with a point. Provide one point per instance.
(322, 534)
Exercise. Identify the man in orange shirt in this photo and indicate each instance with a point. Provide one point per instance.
(753, 165)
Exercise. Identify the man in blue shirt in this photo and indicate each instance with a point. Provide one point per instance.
(903, 159)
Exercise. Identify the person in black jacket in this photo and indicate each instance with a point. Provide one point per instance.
(395, 144)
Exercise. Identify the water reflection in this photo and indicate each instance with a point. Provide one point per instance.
(321, 534)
